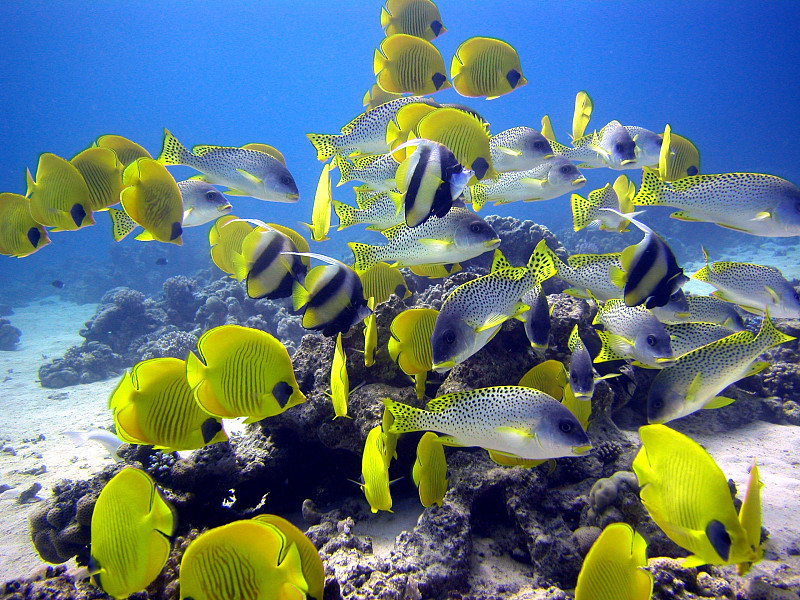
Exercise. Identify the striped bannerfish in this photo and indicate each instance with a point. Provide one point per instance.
(153, 404)
(131, 526)
(649, 272)
(244, 559)
(242, 372)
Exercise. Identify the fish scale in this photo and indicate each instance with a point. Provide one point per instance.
(589, 272)
(531, 145)
(381, 213)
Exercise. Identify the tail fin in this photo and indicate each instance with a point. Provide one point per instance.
(121, 223)
(547, 129)
(650, 191)
(771, 335)
(560, 266)
(583, 211)
(345, 170)
(364, 255)
(406, 418)
(541, 262)
(323, 143)
(346, 214)
(479, 196)
(172, 151)
(574, 339)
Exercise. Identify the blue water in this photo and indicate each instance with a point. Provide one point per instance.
(723, 74)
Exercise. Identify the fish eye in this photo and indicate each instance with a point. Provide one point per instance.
(286, 180)
(565, 426)
(566, 169)
(796, 297)
(619, 147)
(574, 377)
(651, 340)
(657, 404)
(539, 146)
(449, 337)
(211, 195)
(475, 228)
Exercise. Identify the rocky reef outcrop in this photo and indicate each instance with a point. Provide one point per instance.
(9, 335)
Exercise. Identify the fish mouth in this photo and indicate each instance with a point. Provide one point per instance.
(224, 207)
(627, 161)
(444, 366)
(682, 315)
(491, 243)
(583, 397)
(579, 181)
(292, 196)
(546, 156)
(666, 361)
(581, 450)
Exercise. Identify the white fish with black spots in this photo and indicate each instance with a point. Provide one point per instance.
(379, 212)
(610, 147)
(589, 274)
(703, 309)
(202, 202)
(377, 171)
(519, 149)
(632, 332)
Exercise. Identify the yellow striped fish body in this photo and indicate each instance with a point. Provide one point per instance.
(20, 234)
(340, 382)
(410, 342)
(313, 571)
(678, 157)
(242, 372)
(102, 172)
(244, 559)
(375, 472)
(225, 239)
(380, 281)
(419, 18)
(370, 334)
(614, 567)
(152, 199)
(268, 272)
(131, 526)
(153, 404)
(389, 439)
(126, 150)
(465, 135)
(430, 470)
(549, 377)
(59, 197)
(408, 64)
(487, 67)
(402, 126)
(688, 497)
(321, 209)
(375, 96)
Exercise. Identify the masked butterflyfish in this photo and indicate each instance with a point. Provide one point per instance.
(153, 404)
(407, 64)
(430, 470)
(403, 126)
(126, 150)
(474, 312)
(332, 297)
(225, 239)
(102, 172)
(375, 96)
(519, 149)
(153, 201)
(313, 571)
(428, 181)
(131, 527)
(511, 420)
(20, 234)
(410, 343)
(614, 567)
(485, 66)
(244, 559)
(755, 288)
(59, 197)
(696, 378)
(246, 172)
(375, 471)
(370, 334)
(688, 497)
(242, 372)
(420, 18)
(453, 238)
(380, 281)
(549, 377)
(364, 134)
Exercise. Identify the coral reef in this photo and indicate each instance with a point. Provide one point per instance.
(9, 335)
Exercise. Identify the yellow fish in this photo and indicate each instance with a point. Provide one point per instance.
(313, 571)
(410, 344)
(59, 197)
(549, 377)
(435, 271)
(20, 235)
(340, 382)
(267, 149)
(420, 18)
(389, 439)
(402, 126)
(321, 210)
(244, 559)
(102, 172)
(370, 334)
(225, 239)
(375, 96)
(153, 404)
(131, 526)
(408, 64)
(126, 150)
(486, 67)
(687, 496)
(242, 372)
(374, 471)
(381, 280)
(466, 137)
(614, 567)
(430, 470)
(152, 199)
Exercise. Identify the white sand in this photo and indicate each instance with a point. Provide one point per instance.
(27, 410)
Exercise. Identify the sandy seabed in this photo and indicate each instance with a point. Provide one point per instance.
(33, 418)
